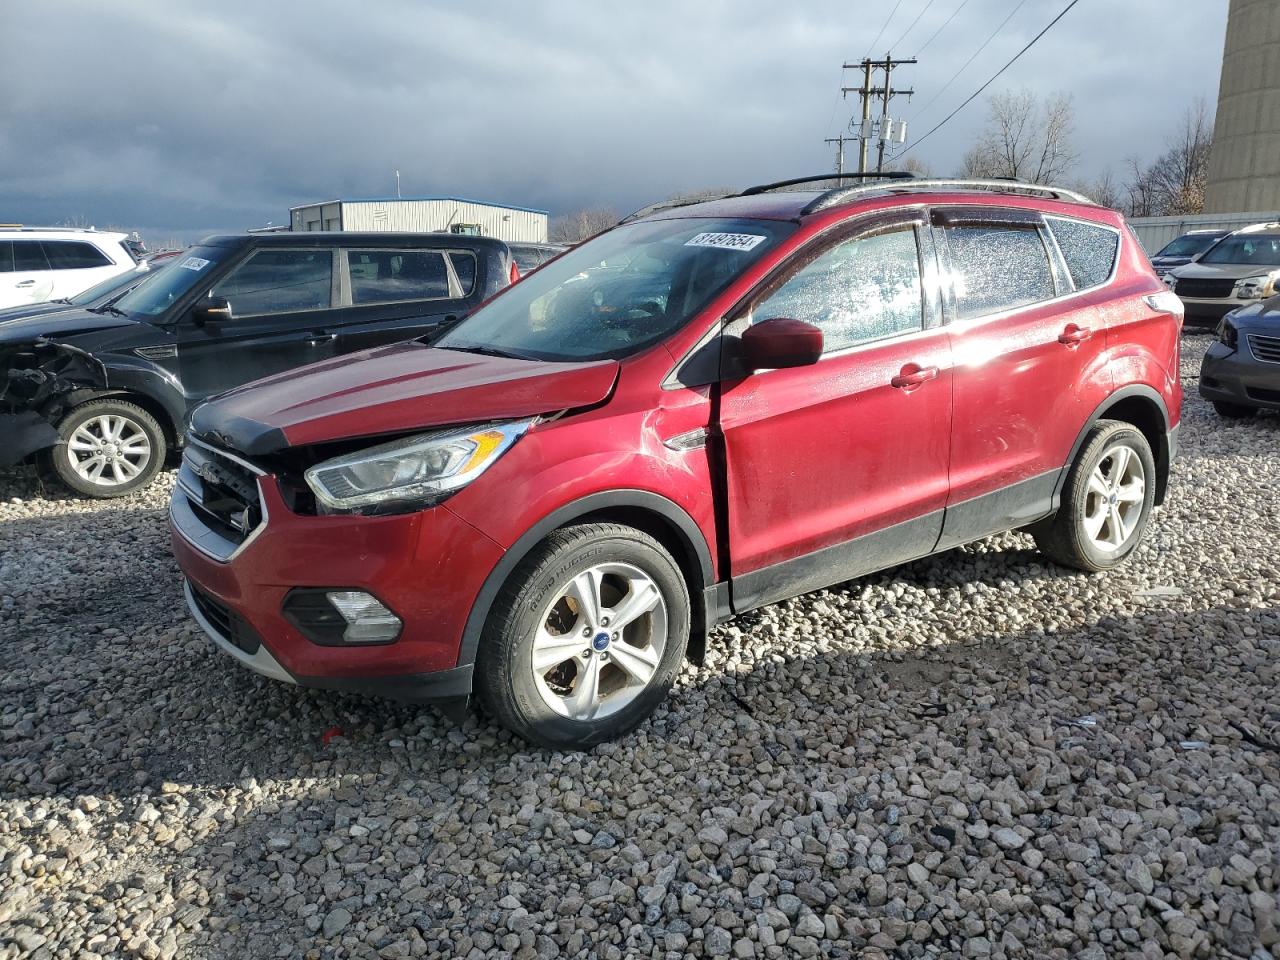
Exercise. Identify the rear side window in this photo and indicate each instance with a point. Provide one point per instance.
(386, 276)
(279, 281)
(998, 268)
(464, 268)
(27, 255)
(6, 256)
(860, 290)
(74, 255)
(1089, 250)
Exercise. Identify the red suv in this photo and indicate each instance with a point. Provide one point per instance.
(705, 409)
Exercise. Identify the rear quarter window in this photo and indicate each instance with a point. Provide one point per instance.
(74, 255)
(1089, 250)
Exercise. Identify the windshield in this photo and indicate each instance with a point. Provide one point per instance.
(163, 288)
(619, 293)
(109, 286)
(1259, 249)
(1190, 245)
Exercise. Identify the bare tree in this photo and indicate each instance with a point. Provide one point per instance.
(1024, 139)
(581, 224)
(1104, 190)
(1174, 184)
(917, 166)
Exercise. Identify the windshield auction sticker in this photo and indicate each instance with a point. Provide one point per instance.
(725, 241)
(194, 263)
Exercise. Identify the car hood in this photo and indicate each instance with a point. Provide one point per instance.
(61, 323)
(1169, 261)
(1261, 316)
(396, 389)
(1222, 271)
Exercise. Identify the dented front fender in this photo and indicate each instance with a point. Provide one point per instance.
(39, 378)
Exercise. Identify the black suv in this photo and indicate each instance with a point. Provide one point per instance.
(102, 394)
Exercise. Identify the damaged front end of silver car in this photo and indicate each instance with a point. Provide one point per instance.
(42, 380)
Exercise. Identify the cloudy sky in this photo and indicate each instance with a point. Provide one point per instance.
(179, 118)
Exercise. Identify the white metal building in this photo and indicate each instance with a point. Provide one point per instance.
(424, 215)
(1155, 232)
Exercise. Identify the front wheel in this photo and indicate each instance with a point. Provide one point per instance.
(586, 637)
(110, 448)
(1106, 502)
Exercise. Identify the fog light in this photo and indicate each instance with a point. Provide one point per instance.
(368, 621)
(335, 618)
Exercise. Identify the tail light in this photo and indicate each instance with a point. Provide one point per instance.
(515, 272)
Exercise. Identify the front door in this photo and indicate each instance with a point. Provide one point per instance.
(840, 468)
(281, 317)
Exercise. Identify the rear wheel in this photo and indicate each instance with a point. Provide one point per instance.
(586, 637)
(1106, 503)
(1235, 411)
(110, 448)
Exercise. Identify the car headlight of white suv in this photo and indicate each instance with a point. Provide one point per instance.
(1258, 288)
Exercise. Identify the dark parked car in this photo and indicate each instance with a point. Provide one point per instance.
(1184, 249)
(103, 392)
(703, 410)
(1240, 373)
(530, 256)
(100, 293)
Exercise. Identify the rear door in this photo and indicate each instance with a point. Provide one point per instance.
(840, 468)
(394, 294)
(1026, 358)
(281, 301)
(29, 280)
(76, 266)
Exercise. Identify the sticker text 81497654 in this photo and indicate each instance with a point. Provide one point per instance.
(725, 241)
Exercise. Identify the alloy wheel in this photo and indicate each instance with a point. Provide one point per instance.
(599, 642)
(109, 450)
(1115, 499)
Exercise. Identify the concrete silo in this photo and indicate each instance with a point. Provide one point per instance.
(1244, 166)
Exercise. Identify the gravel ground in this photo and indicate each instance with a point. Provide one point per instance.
(976, 755)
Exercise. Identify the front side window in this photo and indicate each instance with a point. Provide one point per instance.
(386, 276)
(28, 256)
(622, 291)
(1089, 250)
(279, 281)
(862, 289)
(1258, 249)
(73, 255)
(997, 268)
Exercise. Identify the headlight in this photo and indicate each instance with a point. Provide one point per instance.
(1257, 288)
(1227, 332)
(419, 470)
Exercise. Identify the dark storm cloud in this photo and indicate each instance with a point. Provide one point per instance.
(179, 117)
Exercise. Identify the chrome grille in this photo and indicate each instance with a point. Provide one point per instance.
(217, 505)
(1199, 289)
(1265, 348)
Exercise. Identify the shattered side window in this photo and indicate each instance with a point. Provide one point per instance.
(860, 290)
(998, 268)
(1088, 249)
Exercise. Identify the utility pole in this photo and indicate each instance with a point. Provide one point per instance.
(839, 152)
(867, 93)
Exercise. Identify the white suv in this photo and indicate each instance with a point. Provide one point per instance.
(39, 264)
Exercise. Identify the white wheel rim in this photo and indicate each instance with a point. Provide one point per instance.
(598, 644)
(109, 450)
(1114, 500)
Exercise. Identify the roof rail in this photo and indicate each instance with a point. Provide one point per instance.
(24, 227)
(889, 175)
(843, 194)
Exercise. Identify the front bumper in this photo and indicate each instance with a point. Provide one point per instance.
(1208, 312)
(1236, 376)
(427, 567)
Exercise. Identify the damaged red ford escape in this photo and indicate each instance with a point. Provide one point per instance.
(708, 408)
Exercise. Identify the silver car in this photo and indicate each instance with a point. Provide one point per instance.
(1241, 268)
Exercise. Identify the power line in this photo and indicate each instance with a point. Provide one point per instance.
(883, 27)
(978, 92)
(946, 86)
(907, 32)
(946, 23)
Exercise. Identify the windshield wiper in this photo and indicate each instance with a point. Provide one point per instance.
(108, 308)
(66, 300)
(485, 350)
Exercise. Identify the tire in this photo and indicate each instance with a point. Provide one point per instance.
(537, 611)
(1065, 537)
(83, 432)
(1235, 411)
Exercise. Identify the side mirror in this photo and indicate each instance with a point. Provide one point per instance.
(212, 310)
(781, 342)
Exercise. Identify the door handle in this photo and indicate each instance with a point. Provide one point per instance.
(1073, 335)
(25, 283)
(317, 337)
(913, 375)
